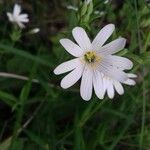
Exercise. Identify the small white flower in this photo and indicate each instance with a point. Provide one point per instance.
(94, 61)
(16, 17)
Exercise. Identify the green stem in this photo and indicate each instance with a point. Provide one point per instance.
(20, 111)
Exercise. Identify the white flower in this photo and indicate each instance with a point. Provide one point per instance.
(110, 85)
(16, 17)
(94, 61)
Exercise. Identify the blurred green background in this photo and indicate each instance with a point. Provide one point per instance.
(38, 114)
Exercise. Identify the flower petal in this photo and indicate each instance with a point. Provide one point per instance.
(119, 62)
(71, 47)
(119, 88)
(98, 84)
(131, 75)
(129, 82)
(67, 66)
(102, 36)
(86, 84)
(112, 72)
(72, 77)
(21, 25)
(106, 81)
(113, 47)
(23, 18)
(17, 10)
(110, 90)
(10, 17)
(82, 38)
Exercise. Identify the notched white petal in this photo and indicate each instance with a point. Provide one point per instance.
(98, 84)
(130, 82)
(119, 62)
(102, 36)
(119, 88)
(110, 90)
(131, 75)
(86, 84)
(113, 47)
(67, 66)
(82, 38)
(105, 84)
(70, 79)
(71, 47)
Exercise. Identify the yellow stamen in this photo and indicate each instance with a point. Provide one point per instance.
(91, 57)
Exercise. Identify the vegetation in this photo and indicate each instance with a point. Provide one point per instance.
(36, 113)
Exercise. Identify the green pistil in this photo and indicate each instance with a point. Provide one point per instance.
(90, 57)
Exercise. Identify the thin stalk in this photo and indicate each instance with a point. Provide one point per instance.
(24, 78)
(15, 76)
(20, 111)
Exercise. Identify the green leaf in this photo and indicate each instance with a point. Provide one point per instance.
(37, 139)
(10, 49)
(90, 9)
(8, 98)
(84, 9)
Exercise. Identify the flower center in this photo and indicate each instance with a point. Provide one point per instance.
(91, 57)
